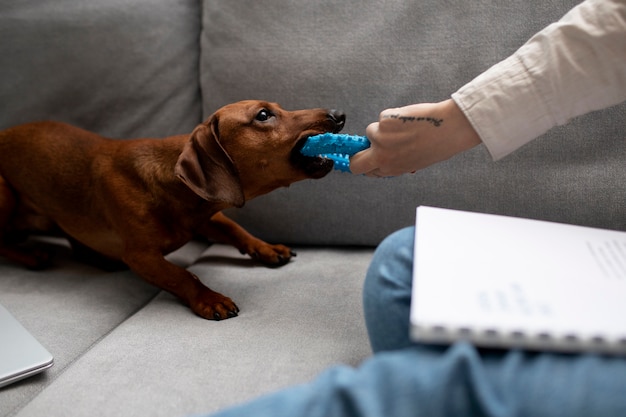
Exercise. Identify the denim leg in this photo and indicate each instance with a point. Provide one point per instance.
(387, 292)
(456, 381)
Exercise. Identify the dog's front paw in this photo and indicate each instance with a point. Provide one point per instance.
(270, 255)
(34, 259)
(214, 306)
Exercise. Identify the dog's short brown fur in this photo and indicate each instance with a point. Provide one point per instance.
(138, 200)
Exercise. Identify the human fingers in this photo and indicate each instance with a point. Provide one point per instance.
(365, 161)
(362, 162)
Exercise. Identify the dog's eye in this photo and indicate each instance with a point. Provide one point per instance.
(263, 115)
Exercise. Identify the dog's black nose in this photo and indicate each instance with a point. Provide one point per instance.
(338, 117)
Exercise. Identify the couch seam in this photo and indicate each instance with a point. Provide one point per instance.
(20, 407)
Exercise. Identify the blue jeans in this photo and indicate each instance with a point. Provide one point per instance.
(408, 379)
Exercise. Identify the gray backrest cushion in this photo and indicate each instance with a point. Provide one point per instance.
(364, 56)
(119, 68)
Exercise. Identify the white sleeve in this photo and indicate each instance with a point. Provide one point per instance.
(570, 68)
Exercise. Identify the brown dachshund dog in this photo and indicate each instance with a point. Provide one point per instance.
(137, 200)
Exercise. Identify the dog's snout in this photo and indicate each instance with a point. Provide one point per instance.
(338, 118)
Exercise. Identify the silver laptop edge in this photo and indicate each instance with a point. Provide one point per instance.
(21, 355)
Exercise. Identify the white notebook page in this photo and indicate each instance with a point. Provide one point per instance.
(504, 281)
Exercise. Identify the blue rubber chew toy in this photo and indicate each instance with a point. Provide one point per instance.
(338, 147)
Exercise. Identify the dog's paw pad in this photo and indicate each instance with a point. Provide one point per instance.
(272, 255)
(215, 306)
(36, 260)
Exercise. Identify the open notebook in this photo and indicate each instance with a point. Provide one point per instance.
(500, 281)
(21, 355)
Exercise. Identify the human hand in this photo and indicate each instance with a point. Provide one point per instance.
(410, 138)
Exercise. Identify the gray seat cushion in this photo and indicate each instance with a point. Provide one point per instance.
(294, 322)
(69, 308)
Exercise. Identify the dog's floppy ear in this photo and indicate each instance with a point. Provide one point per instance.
(205, 167)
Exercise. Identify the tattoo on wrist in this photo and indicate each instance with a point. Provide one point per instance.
(431, 120)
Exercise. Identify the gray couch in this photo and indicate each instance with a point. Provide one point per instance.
(132, 68)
